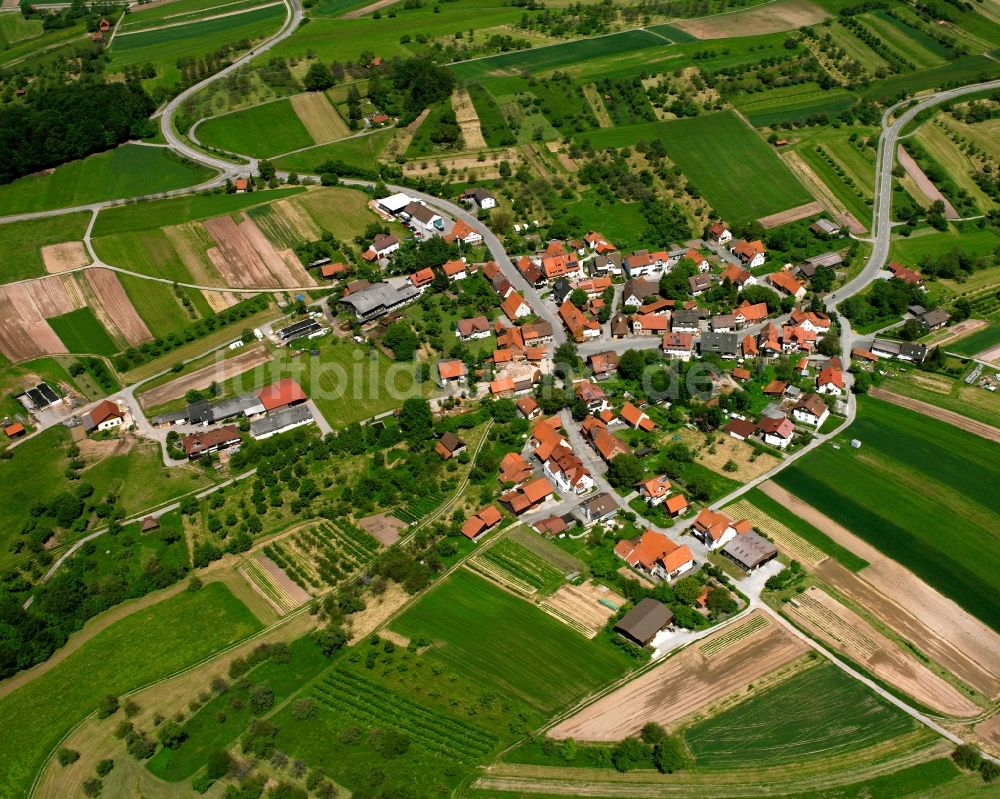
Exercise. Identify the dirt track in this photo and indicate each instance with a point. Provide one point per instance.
(202, 378)
(685, 684)
(980, 429)
(936, 625)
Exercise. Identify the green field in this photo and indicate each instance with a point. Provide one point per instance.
(498, 640)
(736, 171)
(935, 509)
(968, 69)
(140, 649)
(262, 131)
(15, 28)
(622, 223)
(181, 11)
(806, 531)
(932, 243)
(164, 47)
(24, 240)
(361, 152)
(953, 395)
(793, 102)
(542, 59)
(981, 340)
(80, 331)
(131, 170)
(820, 713)
(175, 211)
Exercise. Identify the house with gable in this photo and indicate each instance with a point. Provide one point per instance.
(656, 555)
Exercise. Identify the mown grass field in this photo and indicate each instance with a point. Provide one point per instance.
(131, 170)
(358, 151)
(818, 713)
(261, 131)
(736, 171)
(921, 491)
(137, 650)
(156, 303)
(181, 11)
(854, 184)
(342, 211)
(981, 340)
(175, 211)
(949, 157)
(23, 242)
(503, 642)
(793, 102)
(930, 243)
(80, 331)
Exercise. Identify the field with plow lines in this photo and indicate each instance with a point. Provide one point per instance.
(322, 556)
(720, 643)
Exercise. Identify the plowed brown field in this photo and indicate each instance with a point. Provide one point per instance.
(25, 306)
(116, 307)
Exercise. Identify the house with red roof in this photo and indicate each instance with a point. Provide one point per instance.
(719, 233)
(592, 394)
(200, 443)
(283, 394)
(515, 307)
(650, 324)
(776, 431)
(330, 271)
(567, 471)
(747, 313)
(738, 276)
(104, 416)
(656, 555)
(422, 279)
(675, 505)
(488, 518)
(714, 528)
(475, 328)
(528, 496)
(797, 339)
(578, 325)
(830, 380)
(382, 246)
(678, 345)
(607, 445)
(740, 429)
(635, 418)
(750, 253)
(907, 275)
(811, 410)
(528, 408)
(787, 284)
(655, 490)
(455, 269)
(451, 372)
(514, 469)
(812, 321)
(464, 233)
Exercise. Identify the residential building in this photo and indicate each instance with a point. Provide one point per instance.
(464, 233)
(528, 408)
(677, 345)
(486, 519)
(449, 445)
(655, 490)
(715, 529)
(451, 372)
(479, 197)
(901, 350)
(200, 443)
(599, 508)
(749, 313)
(811, 410)
(608, 446)
(603, 364)
(932, 320)
(514, 469)
(528, 496)
(787, 284)
(656, 555)
(830, 380)
(686, 321)
(104, 416)
(738, 276)
(635, 418)
(699, 284)
(750, 253)
(725, 344)
(577, 324)
(635, 291)
(719, 233)
(592, 394)
(382, 246)
(515, 307)
(740, 429)
(650, 324)
(776, 431)
(475, 328)
(907, 275)
(567, 471)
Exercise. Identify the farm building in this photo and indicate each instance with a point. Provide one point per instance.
(528, 496)
(479, 197)
(901, 350)
(300, 329)
(376, 300)
(197, 444)
(149, 524)
(283, 394)
(394, 203)
(750, 551)
(641, 624)
(15, 430)
(42, 396)
(449, 445)
(280, 422)
(485, 520)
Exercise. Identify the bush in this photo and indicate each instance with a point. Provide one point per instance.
(989, 770)
(219, 763)
(202, 783)
(261, 699)
(967, 756)
(66, 756)
(92, 787)
(628, 754)
(104, 768)
(171, 735)
(108, 706)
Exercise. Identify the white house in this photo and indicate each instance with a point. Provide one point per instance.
(718, 232)
(777, 432)
(567, 472)
(750, 253)
(811, 410)
(105, 416)
(655, 554)
(715, 529)
(655, 491)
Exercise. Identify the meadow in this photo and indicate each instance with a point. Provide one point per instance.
(850, 176)
(793, 102)
(968, 69)
(135, 651)
(953, 395)
(80, 331)
(181, 11)
(736, 171)
(131, 170)
(24, 240)
(177, 210)
(502, 642)
(981, 340)
(261, 131)
(805, 717)
(361, 152)
(935, 511)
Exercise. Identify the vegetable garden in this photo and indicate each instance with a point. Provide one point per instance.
(322, 556)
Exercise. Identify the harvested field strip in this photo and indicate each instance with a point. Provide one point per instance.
(468, 120)
(285, 223)
(255, 574)
(733, 636)
(814, 611)
(319, 117)
(116, 306)
(786, 540)
(24, 308)
(370, 703)
(581, 606)
(220, 372)
(685, 684)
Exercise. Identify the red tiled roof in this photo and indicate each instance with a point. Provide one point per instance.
(450, 370)
(278, 395)
(105, 410)
(785, 281)
(676, 503)
(514, 468)
(830, 376)
(423, 277)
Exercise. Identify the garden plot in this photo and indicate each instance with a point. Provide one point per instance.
(848, 633)
(63, 257)
(750, 463)
(317, 557)
(24, 308)
(687, 683)
(319, 117)
(246, 259)
(580, 606)
(271, 582)
(114, 308)
(514, 566)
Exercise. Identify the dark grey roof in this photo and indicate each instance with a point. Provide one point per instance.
(380, 298)
(600, 505)
(269, 425)
(644, 621)
(561, 289)
(297, 329)
(823, 259)
(637, 287)
(233, 406)
(170, 418)
(42, 395)
(722, 343)
(684, 318)
(750, 550)
(199, 412)
(420, 212)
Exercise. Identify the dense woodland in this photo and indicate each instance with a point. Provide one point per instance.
(69, 122)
